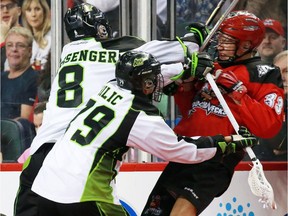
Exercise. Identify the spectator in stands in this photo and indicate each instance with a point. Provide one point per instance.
(37, 121)
(281, 60)
(19, 84)
(263, 9)
(10, 13)
(38, 114)
(36, 17)
(274, 41)
(44, 85)
(188, 11)
(275, 149)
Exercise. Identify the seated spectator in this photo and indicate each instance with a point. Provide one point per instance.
(19, 84)
(37, 121)
(10, 13)
(36, 17)
(274, 41)
(44, 85)
(263, 9)
(281, 60)
(275, 149)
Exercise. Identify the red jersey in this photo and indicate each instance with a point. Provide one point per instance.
(261, 109)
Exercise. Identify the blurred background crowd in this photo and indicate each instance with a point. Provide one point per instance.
(27, 40)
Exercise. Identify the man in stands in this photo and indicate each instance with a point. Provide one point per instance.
(274, 41)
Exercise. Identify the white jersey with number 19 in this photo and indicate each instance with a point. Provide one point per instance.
(83, 164)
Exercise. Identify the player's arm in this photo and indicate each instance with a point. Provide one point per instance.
(167, 51)
(261, 106)
(160, 140)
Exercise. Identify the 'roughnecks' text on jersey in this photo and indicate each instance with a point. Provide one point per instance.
(105, 56)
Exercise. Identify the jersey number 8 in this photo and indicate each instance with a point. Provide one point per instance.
(70, 92)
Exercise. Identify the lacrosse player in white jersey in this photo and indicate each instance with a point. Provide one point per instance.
(87, 63)
(78, 174)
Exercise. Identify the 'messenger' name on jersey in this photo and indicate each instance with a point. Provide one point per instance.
(104, 56)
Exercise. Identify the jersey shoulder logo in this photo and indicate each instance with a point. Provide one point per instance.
(263, 69)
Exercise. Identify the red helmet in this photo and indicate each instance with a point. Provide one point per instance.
(244, 26)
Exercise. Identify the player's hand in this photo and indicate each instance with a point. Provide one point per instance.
(4, 28)
(201, 65)
(170, 89)
(199, 30)
(229, 83)
(197, 66)
(243, 140)
(243, 131)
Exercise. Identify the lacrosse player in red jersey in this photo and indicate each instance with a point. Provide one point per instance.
(253, 92)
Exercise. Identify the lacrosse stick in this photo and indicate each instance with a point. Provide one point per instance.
(215, 27)
(256, 180)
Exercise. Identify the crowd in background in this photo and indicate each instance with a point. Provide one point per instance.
(26, 52)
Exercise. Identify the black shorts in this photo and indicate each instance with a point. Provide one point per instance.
(49, 208)
(26, 200)
(198, 183)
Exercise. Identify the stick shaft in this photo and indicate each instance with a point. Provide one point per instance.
(216, 26)
(215, 11)
(227, 110)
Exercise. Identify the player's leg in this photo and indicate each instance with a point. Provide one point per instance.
(197, 185)
(183, 207)
(46, 207)
(109, 209)
(91, 208)
(160, 201)
(26, 203)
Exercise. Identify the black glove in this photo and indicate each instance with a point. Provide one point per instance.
(199, 30)
(243, 131)
(238, 143)
(196, 65)
(208, 142)
(243, 140)
(204, 65)
(170, 89)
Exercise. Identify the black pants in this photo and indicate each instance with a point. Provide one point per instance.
(91, 208)
(26, 200)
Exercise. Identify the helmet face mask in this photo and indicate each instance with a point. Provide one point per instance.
(140, 72)
(226, 47)
(84, 21)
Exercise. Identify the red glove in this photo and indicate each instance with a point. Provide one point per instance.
(228, 82)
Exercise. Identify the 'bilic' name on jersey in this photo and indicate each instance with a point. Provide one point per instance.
(105, 56)
(109, 95)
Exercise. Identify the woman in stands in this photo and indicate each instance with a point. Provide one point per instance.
(36, 17)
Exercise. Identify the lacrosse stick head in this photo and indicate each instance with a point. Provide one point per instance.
(260, 186)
